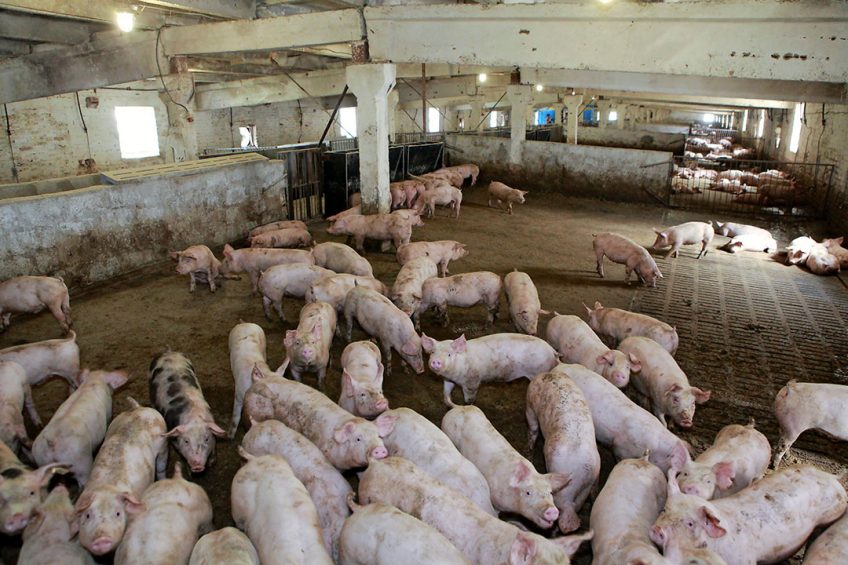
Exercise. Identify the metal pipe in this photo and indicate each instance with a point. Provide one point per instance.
(333, 115)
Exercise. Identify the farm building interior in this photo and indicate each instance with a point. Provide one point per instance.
(135, 129)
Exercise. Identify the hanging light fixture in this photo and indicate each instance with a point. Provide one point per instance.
(126, 21)
(482, 77)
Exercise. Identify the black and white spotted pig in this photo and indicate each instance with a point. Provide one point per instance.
(175, 392)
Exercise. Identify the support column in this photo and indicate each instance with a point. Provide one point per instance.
(623, 114)
(603, 113)
(392, 103)
(371, 83)
(451, 118)
(181, 143)
(476, 114)
(573, 103)
(519, 97)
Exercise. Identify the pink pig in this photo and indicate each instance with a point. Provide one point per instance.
(32, 295)
(362, 380)
(634, 257)
(289, 237)
(523, 300)
(308, 347)
(199, 263)
(441, 252)
(255, 260)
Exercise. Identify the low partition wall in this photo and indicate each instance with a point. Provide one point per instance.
(632, 139)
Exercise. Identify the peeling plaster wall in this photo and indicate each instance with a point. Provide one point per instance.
(632, 139)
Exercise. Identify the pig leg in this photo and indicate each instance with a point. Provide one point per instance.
(296, 373)
(387, 353)
(703, 248)
(359, 242)
(509, 208)
(349, 320)
(675, 250)
(532, 428)
(442, 310)
(30, 407)
(192, 284)
(254, 280)
(322, 372)
(447, 389)
(599, 254)
(56, 310)
(266, 305)
(786, 441)
(238, 401)
(627, 272)
(278, 306)
(416, 321)
(162, 461)
(456, 209)
(5, 321)
(443, 267)
(210, 275)
(469, 392)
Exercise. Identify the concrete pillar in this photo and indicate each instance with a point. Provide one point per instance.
(573, 103)
(451, 118)
(392, 102)
(557, 113)
(476, 114)
(603, 113)
(370, 83)
(519, 97)
(182, 134)
(623, 113)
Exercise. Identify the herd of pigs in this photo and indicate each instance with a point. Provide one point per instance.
(426, 494)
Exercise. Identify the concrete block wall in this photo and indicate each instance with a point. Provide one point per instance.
(631, 139)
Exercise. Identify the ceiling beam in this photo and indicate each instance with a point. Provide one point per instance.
(265, 90)
(40, 29)
(99, 11)
(14, 47)
(225, 9)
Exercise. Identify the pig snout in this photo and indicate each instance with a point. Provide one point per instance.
(379, 452)
(619, 379)
(308, 353)
(101, 545)
(693, 490)
(15, 523)
(197, 464)
(551, 515)
(436, 364)
(382, 405)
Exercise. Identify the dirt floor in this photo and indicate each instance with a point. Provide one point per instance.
(125, 323)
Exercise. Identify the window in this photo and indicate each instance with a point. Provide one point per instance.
(613, 116)
(745, 121)
(347, 122)
(433, 118)
(777, 137)
(248, 136)
(762, 123)
(137, 133)
(497, 118)
(709, 118)
(795, 138)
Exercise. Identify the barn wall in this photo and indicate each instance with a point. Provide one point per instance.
(633, 139)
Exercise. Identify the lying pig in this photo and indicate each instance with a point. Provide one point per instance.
(620, 324)
(21, 490)
(379, 534)
(49, 536)
(502, 194)
(176, 393)
(227, 546)
(751, 242)
(634, 257)
(662, 380)
(327, 488)
(417, 439)
(134, 453)
(623, 426)
(289, 237)
(515, 484)
(341, 258)
(523, 301)
(32, 295)
(831, 546)
(275, 511)
(308, 346)
(557, 407)
(834, 247)
(492, 358)
(577, 343)
(799, 249)
(255, 260)
(689, 233)
(346, 440)
(333, 289)
(809, 406)
(15, 392)
(273, 226)
(379, 318)
(362, 380)
(739, 456)
(441, 252)
(247, 350)
(175, 513)
(441, 195)
(406, 292)
(764, 523)
(287, 280)
(79, 425)
(466, 291)
(199, 263)
(481, 538)
(821, 262)
(379, 227)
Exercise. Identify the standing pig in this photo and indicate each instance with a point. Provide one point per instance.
(379, 227)
(557, 407)
(362, 380)
(15, 392)
(281, 225)
(175, 392)
(227, 546)
(333, 289)
(275, 511)
(466, 291)
(491, 358)
(341, 258)
(49, 537)
(134, 453)
(247, 350)
(501, 193)
(810, 406)
(663, 382)
(523, 300)
(79, 425)
(621, 324)
(255, 260)
(441, 195)
(21, 490)
(32, 295)
(327, 487)
(689, 233)
(441, 252)
(383, 320)
(577, 343)
(308, 347)
(199, 263)
(634, 257)
(288, 237)
(175, 512)
(739, 456)
(287, 280)
(406, 292)
(831, 546)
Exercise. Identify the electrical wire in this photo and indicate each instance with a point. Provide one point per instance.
(161, 77)
(11, 146)
(84, 126)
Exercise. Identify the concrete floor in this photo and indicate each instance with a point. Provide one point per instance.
(124, 323)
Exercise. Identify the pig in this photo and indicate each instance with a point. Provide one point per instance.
(341, 258)
(731, 229)
(379, 534)
(380, 227)
(623, 512)
(227, 546)
(15, 393)
(275, 511)
(751, 242)
(44, 359)
(623, 426)
(575, 342)
(466, 291)
(411, 217)
(620, 324)
(831, 546)
(809, 406)
(406, 292)
(273, 226)
(414, 437)
(834, 247)
(134, 453)
(454, 178)
(502, 194)
(362, 380)
(255, 260)
(523, 301)
(327, 488)
(345, 440)
(467, 170)
(379, 318)
(247, 350)
(662, 380)
(355, 210)
(406, 193)
(821, 262)
(308, 347)
(442, 195)
(176, 393)
(79, 425)
(21, 490)
(481, 538)
(515, 484)
(799, 249)
(764, 523)
(556, 406)
(492, 358)
(199, 263)
(333, 289)
(175, 513)
(289, 237)
(441, 252)
(49, 536)
(739, 456)
(32, 295)
(355, 199)
(688, 233)
(398, 196)
(634, 257)
(287, 280)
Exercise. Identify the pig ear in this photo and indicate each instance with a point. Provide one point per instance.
(291, 335)
(711, 523)
(175, 432)
(347, 383)
(523, 549)
(635, 364)
(175, 255)
(679, 457)
(428, 343)
(839, 240)
(343, 432)
(45, 473)
(656, 231)
(82, 376)
(131, 504)
(588, 310)
(410, 349)
(608, 358)
(725, 472)
(385, 423)
(673, 389)
(416, 295)
(116, 379)
(570, 544)
(701, 396)
(520, 474)
(84, 502)
(673, 488)
(228, 250)
(215, 429)
(459, 345)
(380, 369)
(558, 481)
(598, 305)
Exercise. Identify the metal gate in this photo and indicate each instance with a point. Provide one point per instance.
(304, 192)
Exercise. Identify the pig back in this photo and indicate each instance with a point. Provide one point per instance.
(227, 546)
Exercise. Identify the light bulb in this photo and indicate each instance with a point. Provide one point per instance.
(126, 21)
(482, 77)
(539, 88)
